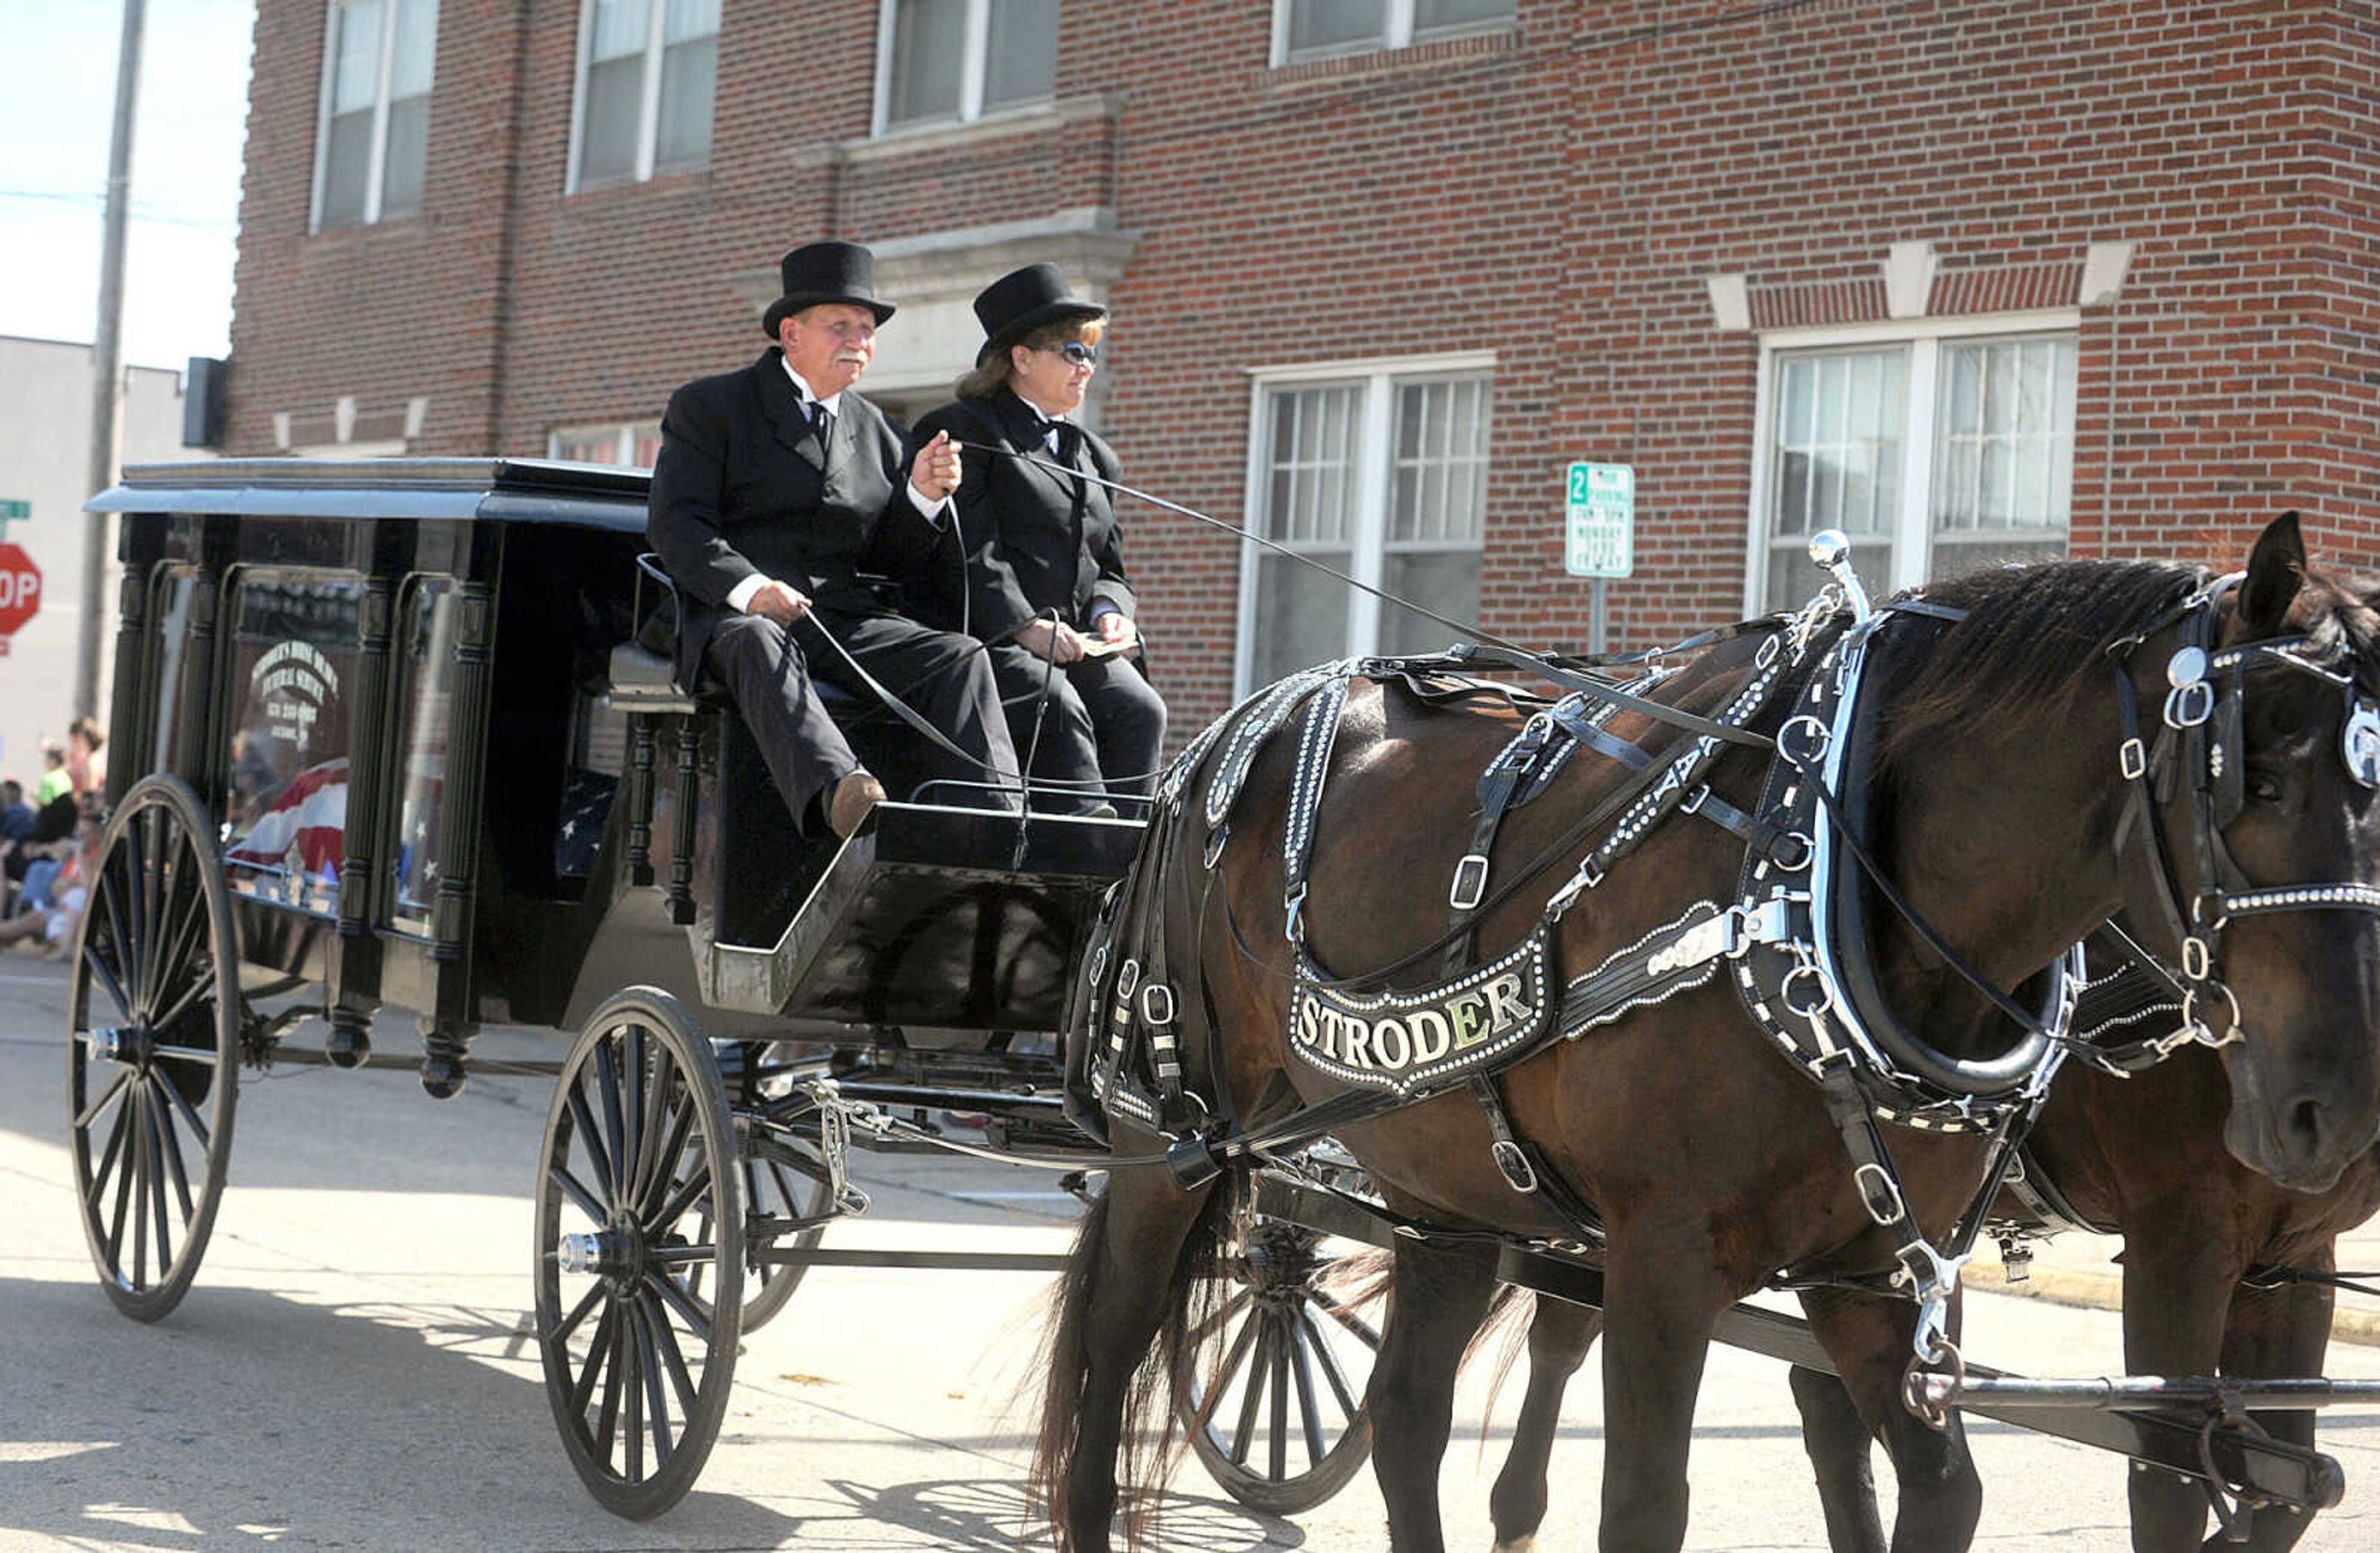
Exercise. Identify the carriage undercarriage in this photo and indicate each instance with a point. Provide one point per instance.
(693, 1162)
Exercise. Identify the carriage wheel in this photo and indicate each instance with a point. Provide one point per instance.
(640, 1253)
(1275, 1404)
(152, 1057)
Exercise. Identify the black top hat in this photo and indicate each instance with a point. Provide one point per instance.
(817, 273)
(1023, 300)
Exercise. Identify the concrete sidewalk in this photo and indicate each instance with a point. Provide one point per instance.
(2079, 1270)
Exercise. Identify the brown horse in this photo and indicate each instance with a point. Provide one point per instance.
(2140, 1156)
(1996, 805)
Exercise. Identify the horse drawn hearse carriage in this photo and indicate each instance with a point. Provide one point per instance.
(387, 738)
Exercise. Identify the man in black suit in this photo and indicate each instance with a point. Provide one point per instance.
(777, 495)
(1046, 584)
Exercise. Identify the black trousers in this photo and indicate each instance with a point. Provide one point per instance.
(768, 670)
(1104, 727)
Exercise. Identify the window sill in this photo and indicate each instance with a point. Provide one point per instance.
(677, 180)
(1333, 69)
(1039, 119)
(411, 221)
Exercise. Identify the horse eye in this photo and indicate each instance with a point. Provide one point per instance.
(2264, 787)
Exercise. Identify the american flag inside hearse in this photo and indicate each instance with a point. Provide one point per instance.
(300, 836)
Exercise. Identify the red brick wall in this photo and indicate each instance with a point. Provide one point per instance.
(1560, 194)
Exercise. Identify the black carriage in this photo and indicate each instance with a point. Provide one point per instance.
(387, 738)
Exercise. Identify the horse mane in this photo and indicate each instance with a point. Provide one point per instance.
(2034, 636)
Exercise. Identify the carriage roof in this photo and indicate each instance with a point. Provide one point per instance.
(507, 491)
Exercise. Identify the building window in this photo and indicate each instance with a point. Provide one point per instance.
(948, 61)
(379, 57)
(1318, 29)
(635, 446)
(1934, 454)
(1380, 474)
(646, 70)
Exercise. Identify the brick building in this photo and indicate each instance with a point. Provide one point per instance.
(1966, 279)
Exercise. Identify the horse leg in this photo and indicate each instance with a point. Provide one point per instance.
(1560, 1335)
(2176, 1309)
(2280, 1331)
(1111, 1302)
(1840, 1448)
(1662, 1296)
(1870, 1341)
(1441, 1296)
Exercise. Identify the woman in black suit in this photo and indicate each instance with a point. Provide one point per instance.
(1045, 581)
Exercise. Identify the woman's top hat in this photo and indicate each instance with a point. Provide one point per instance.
(817, 273)
(1023, 300)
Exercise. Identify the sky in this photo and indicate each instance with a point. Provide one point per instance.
(56, 116)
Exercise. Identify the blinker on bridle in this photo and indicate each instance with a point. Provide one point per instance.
(2201, 742)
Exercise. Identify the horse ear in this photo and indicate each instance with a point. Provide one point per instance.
(2276, 570)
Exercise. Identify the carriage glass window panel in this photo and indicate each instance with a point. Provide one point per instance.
(950, 61)
(171, 598)
(1936, 455)
(1382, 477)
(296, 642)
(1319, 29)
(379, 59)
(646, 77)
(426, 669)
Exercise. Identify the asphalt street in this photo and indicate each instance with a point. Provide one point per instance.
(353, 1369)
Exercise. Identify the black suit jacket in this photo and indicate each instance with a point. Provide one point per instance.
(1035, 541)
(741, 486)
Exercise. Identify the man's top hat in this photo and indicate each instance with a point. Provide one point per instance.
(1023, 300)
(817, 273)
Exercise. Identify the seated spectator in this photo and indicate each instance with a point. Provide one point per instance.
(54, 803)
(50, 921)
(16, 816)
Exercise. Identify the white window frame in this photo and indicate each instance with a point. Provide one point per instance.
(649, 97)
(1375, 469)
(1398, 34)
(1912, 532)
(971, 74)
(623, 436)
(377, 163)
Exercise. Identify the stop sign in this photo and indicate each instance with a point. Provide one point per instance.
(21, 587)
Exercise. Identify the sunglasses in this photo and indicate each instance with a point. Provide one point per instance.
(1075, 352)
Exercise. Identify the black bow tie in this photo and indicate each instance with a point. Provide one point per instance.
(1067, 434)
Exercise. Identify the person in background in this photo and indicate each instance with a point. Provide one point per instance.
(1045, 582)
(85, 766)
(52, 905)
(16, 816)
(777, 488)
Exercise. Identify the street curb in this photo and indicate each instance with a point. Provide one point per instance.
(2100, 1290)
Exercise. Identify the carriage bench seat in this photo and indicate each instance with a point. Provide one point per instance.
(643, 683)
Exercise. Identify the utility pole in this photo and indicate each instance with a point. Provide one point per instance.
(106, 360)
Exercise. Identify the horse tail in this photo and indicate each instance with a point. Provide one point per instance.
(1064, 1471)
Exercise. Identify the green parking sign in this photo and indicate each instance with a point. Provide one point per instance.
(1600, 538)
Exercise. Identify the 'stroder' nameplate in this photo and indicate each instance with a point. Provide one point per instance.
(1408, 1041)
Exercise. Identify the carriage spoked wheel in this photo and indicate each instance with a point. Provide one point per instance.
(1275, 1399)
(781, 1189)
(154, 1018)
(640, 1253)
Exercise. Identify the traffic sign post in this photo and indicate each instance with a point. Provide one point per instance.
(1600, 534)
(20, 590)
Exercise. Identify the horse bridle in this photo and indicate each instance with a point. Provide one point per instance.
(2200, 740)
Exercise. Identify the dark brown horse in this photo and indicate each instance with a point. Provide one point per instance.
(1712, 1163)
(2140, 1156)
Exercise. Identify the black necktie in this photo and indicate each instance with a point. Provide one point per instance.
(820, 421)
